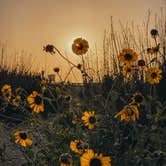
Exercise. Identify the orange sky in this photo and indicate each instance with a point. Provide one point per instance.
(29, 24)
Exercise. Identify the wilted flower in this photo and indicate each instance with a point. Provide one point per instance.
(128, 113)
(79, 66)
(16, 100)
(150, 51)
(6, 92)
(49, 48)
(154, 32)
(43, 84)
(141, 63)
(56, 69)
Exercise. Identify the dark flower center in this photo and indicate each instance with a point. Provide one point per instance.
(56, 69)
(154, 32)
(95, 162)
(49, 48)
(79, 145)
(141, 63)
(80, 46)
(128, 57)
(23, 136)
(92, 120)
(138, 98)
(128, 70)
(153, 75)
(38, 100)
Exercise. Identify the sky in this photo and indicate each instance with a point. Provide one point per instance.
(30, 24)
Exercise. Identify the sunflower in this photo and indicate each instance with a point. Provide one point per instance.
(153, 75)
(77, 146)
(94, 159)
(6, 92)
(36, 102)
(89, 119)
(128, 113)
(23, 138)
(16, 100)
(66, 160)
(128, 71)
(80, 46)
(137, 98)
(128, 57)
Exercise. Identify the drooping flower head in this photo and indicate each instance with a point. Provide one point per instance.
(128, 57)
(80, 46)
(153, 75)
(43, 84)
(141, 63)
(128, 113)
(36, 102)
(6, 92)
(90, 119)
(77, 146)
(49, 48)
(56, 69)
(94, 159)
(22, 138)
(16, 100)
(154, 33)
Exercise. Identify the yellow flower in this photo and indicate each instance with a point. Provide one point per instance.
(153, 75)
(128, 71)
(137, 98)
(94, 159)
(22, 138)
(36, 102)
(74, 119)
(43, 84)
(89, 119)
(7, 92)
(16, 100)
(66, 160)
(128, 57)
(128, 113)
(77, 146)
(80, 46)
